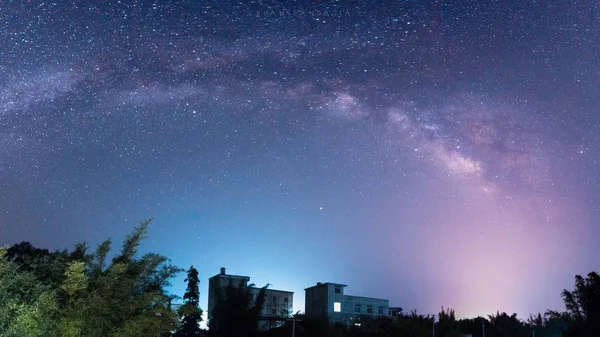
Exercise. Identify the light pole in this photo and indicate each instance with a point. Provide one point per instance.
(483, 328)
(294, 325)
(433, 326)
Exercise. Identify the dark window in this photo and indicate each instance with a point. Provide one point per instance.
(274, 299)
(381, 310)
(274, 311)
(357, 308)
(338, 290)
(285, 299)
(369, 309)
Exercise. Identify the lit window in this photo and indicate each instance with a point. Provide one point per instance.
(337, 307)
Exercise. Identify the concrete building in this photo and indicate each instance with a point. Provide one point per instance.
(395, 311)
(278, 303)
(328, 300)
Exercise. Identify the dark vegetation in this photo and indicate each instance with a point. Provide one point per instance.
(79, 293)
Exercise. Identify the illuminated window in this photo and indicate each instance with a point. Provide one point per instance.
(337, 307)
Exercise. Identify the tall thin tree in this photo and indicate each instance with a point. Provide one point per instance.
(190, 310)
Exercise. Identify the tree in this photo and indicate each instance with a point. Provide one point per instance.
(447, 325)
(190, 310)
(235, 314)
(474, 326)
(551, 324)
(583, 306)
(27, 307)
(127, 298)
(414, 325)
(503, 325)
(74, 294)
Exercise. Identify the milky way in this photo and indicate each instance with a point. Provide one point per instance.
(429, 154)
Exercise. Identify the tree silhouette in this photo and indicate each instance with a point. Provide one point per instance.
(474, 326)
(414, 325)
(234, 313)
(583, 306)
(551, 324)
(190, 310)
(503, 325)
(447, 325)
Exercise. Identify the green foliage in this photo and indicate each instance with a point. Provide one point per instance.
(76, 280)
(75, 294)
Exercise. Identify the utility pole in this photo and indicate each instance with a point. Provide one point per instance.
(483, 329)
(294, 325)
(433, 325)
(294, 329)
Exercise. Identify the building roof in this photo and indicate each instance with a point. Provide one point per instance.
(230, 276)
(366, 298)
(319, 284)
(275, 290)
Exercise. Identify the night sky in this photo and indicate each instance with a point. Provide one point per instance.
(429, 153)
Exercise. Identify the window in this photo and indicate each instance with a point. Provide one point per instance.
(338, 290)
(381, 310)
(369, 309)
(274, 311)
(274, 299)
(337, 307)
(285, 300)
(357, 308)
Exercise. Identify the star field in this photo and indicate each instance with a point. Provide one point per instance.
(432, 154)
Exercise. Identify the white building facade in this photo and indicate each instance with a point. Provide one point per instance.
(328, 300)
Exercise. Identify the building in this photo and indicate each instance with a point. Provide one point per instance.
(278, 303)
(328, 300)
(395, 311)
